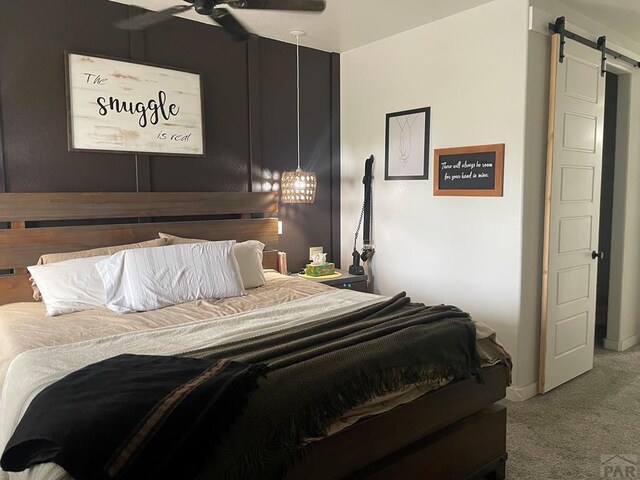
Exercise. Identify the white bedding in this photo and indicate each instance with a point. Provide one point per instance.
(304, 301)
(33, 370)
(25, 326)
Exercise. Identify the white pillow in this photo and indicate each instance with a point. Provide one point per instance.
(248, 254)
(70, 286)
(151, 278)
(249, 257)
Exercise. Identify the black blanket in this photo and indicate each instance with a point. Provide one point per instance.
(132, 417)
(320, 370)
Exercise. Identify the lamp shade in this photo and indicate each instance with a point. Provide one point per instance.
(298, 187)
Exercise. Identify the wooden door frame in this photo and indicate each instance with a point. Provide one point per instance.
(553, 73)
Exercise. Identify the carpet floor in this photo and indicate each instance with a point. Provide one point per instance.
(568, 432)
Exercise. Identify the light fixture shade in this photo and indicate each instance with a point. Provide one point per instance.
(298, 187)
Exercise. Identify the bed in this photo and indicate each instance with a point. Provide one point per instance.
(444, 430)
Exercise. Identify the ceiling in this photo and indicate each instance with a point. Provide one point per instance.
(344, 25)
(621, 15)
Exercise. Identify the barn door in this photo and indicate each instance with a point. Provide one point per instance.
(572, 209)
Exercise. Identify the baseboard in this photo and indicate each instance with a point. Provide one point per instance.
(621, 345)
(515, 394)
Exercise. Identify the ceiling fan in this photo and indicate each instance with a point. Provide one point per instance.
(222, 16)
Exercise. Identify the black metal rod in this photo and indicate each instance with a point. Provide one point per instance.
(620, 56)
(558, 27)
(367, 180)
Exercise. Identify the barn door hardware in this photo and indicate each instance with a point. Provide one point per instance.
(560, 27)
(602, 46)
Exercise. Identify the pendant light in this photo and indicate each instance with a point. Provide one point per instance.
(298, 186)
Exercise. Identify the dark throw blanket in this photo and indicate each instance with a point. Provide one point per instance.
(320, 370)
(132, 417)
(316, 372)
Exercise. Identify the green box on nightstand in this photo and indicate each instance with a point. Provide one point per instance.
(320, 270)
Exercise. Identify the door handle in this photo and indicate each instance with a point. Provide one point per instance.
(598, 255)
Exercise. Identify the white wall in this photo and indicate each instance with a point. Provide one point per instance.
(471, 70)
(485, 76)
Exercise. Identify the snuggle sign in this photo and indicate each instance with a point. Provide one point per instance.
(120, 106)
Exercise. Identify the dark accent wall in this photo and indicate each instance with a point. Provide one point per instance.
(277, 81)
(249, 105)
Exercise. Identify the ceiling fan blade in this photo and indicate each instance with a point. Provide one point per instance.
(148, 19)
(230, 24)
(298, 5)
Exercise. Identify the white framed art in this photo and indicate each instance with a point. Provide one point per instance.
(121, 106)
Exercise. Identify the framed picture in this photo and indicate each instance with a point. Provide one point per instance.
(407, 145)
(475, 171)
(120, 106)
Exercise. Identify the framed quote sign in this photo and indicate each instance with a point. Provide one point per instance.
(120, 106)
(469, 171)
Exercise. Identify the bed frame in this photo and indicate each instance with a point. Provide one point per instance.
(43, 223)
(455, 432)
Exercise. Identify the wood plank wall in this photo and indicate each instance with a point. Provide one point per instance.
(240, 81)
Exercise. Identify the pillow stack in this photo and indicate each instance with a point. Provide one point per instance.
(248, 254)
(147, 275)
(69, 286)
(94, 252)
(152, 278)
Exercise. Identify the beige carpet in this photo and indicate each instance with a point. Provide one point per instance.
(563, 434)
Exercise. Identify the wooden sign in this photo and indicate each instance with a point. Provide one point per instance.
(469, 171)
(119, 106)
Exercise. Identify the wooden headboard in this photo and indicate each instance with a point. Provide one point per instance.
(27, 239)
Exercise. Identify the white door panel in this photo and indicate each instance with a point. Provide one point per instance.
(579, 132)
(571, 333)
(582, 79)
(574, 235)
(576, 184)
(574, 167)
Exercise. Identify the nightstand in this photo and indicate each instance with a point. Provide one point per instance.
(346, 280)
